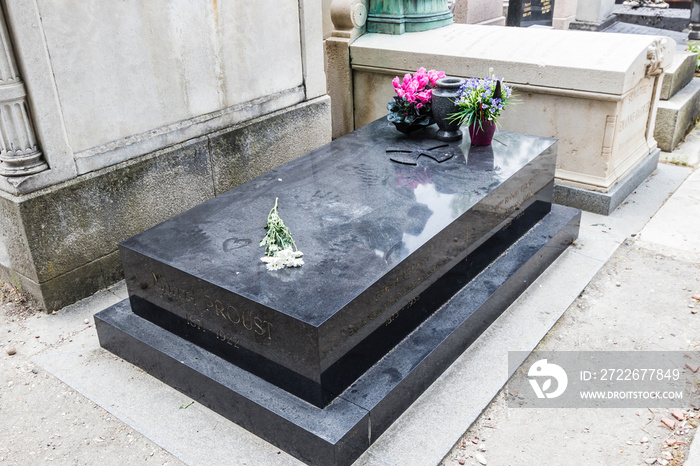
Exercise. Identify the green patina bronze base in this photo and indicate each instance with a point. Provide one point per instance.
(399, 16)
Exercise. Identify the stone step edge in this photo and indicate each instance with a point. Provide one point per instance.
(679, 74)
(343, 444)
(676, 116)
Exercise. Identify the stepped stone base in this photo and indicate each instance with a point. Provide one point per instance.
(588, 26)
(679, 74)
(340, 432)
(676, 116)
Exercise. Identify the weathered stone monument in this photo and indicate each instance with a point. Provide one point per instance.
(694, 33)
(404, 267)
(171, 104)
(478, 12)
(564, 13)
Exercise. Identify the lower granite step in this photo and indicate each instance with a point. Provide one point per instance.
(340, 432)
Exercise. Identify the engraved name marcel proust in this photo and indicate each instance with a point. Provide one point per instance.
(220, 318)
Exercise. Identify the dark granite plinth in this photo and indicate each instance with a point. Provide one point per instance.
(377, 237)
(340, 432)
(525, 13)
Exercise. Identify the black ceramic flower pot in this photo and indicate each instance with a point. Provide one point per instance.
(443, 105)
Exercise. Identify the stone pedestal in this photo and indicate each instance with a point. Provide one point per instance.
(596, 93)
(349, 22)
(485, 12)
(593, 15)
(594, 11)
(564, 13)
(694, 21)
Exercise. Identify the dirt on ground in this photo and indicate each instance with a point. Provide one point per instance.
(42, 420)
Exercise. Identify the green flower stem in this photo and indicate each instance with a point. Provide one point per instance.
(278, 236)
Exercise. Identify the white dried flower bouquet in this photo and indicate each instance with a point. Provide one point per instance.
(280, 249)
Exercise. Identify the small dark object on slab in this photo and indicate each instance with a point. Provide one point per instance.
(411, 152)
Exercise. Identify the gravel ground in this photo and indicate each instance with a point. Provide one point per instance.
(42, 420)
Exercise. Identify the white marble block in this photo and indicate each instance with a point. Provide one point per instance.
(596, 93)
(594, 11)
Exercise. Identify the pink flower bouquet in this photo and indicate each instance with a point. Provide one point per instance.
(410, 109)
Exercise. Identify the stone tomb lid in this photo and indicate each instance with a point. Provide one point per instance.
(557, 59)
(354, 213)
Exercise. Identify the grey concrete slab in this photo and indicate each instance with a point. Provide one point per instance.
(190, 432)
(639, 301)
(634, 213)
(688, 153)
(628, 28)
(693, 454)
(676, 226)
(671, 19)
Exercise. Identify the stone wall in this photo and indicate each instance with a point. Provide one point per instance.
(59, 244)
(163, 65)
(131, 112)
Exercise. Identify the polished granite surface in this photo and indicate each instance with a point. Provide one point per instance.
(338, 433)
(376, 235)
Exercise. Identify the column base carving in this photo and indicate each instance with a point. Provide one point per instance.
(22, 164)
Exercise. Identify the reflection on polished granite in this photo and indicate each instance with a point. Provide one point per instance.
(405, 266)
(375, 235)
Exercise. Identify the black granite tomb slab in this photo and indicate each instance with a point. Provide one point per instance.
(376, 235)
(338, 433)
(524, 13)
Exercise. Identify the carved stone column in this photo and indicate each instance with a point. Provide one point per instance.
(19, 151)
(349, 18)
